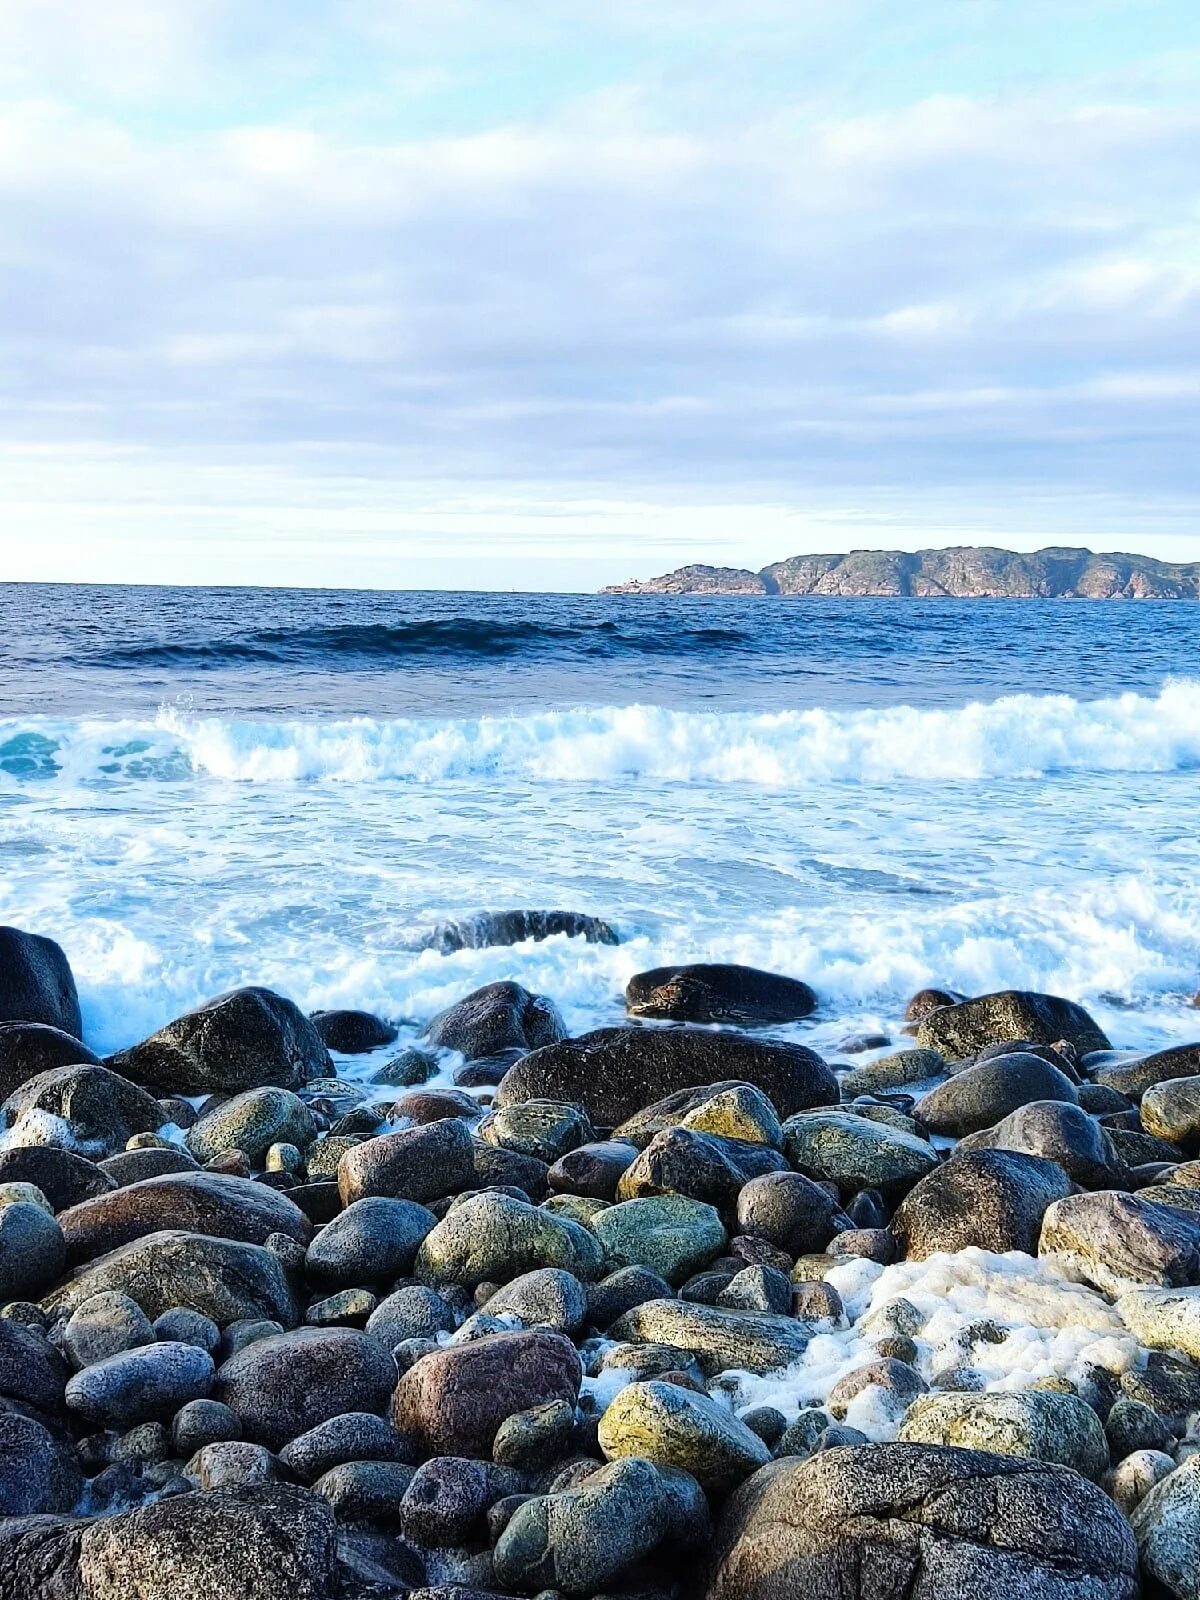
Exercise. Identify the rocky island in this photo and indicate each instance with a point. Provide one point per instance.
(963, 572)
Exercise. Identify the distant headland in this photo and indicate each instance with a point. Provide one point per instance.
(963, 572)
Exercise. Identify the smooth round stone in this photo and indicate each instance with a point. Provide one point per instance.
(142, 1385)
(33, 1252)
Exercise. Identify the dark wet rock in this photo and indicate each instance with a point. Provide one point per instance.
(134, 1166)
(703, 1166)
(984, 1094)
(352, 1436)
(1058, 1132)
(453, 1401)
(1133, 1075)
(1167, 1526)
(1012, 1014)
(236, 1041)
(224, 1279)
(893, 1072)
(492, 1238)
(494, 1168)
(1137, 1148)
(1168, 1385)
(546, 1129)
(620, 1291)
(32, 1373)
(1099, 1100)
(149, 1383)
(927, 1001)
(1131, 1425)
(202, 1422)
(63, 1177)
(320, 1202)
(489, 928)
(592, 1170)
(38, 1472)
(671, 1234)
(500, 1016)
(447, 1502)
(713, 992)
(30, 1048)
(32, 1251)
(719, 1340)
(185, 1326)
(366, 1491)
(855, 1153)
(352, 1033)
(1118, 1241)
(104, 1326)
(413, 1164)
(994, 1199)
(758, 1289)
(282, 1386)
(372, 1241)
(614, 1072)
(36, 983)
(1040, 1425)
(672, 1427)
(791, 1211)
(535, 1439)
(256, 1542)
(547, 1297)
(921, 1521)
(413, 1312)
(194, 1202)
(87, 1109)
(252, 1122)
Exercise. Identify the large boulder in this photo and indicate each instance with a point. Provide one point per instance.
(353, 1033)
(498, 1017)
(261, 1542)
(720, 1340)
(674, 1427)
(1040, 1424)
(1171, 1110)
(982, 1095)
(492, 1238)
(790, 1211)
(1117, 1241)
(282, 1386)
(969, 1027)
(855, 1152)
(62, 1176)
(27, 1048)
(710, 992)
(212, 1203)
(372, 1241)
(922, 1521)
(488, 928)
(453, 1401)
(236, 1041)
(36, 982)
(1060, 1132)
(614, 1072)
(1167, 1526)
(89, 1110)
(1163, 1319)
(993, 1199)
(224, 1279)
(420, 1163)
(38, 1472)
(145, 1384)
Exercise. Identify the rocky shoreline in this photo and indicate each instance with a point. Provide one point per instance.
(674, 1309)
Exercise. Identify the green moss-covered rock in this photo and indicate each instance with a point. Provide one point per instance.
(671, 1234)
(674, 1427)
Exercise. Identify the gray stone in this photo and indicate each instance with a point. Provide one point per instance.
(1167, 1526)
(38, 1473)
(1060, 1132)
(671, 1234)
(88, 1110)
(1171, 1110)
(992, 1199)
(791, 1211)
(1163, 1319)
(492, 1238)
(547, 1129)
(252, 1122)
(366, 1491)
(63, 1177)
(982, 1095)
(232, 1464)
(104, 1326)
(32, 1251)
(856, 1153)
(186, 1326)
(1132, 1075)
(420, 1164)
(281, 1386)
(412, 1312)
(352, 1436)
(449, 1497)
(202, 1422)
(531, 1440)
(1012, 1014)
(1118, 1241)
(33, 1375)
(352, 1033)
(212, 1203)
(703, 1166)
(755, 1341)
(374, 1240)
(149, 1383)
(548, 1297)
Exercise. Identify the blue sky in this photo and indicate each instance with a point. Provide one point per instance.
(530, 293)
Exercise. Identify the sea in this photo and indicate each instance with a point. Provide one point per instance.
(201, 788)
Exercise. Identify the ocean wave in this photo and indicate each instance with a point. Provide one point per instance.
(459, 638)
(1021, 736)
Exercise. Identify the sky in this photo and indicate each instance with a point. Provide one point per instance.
(548, 294)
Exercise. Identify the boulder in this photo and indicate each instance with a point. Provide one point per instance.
(222, 1278)
(1059, 1132)
(704, 1166)
(893, 1072)
(982, 1095)
(32, 1251)
(453, 1401)
(670, 1234)
(284, 1385)
(1039, 1424)
(1167, 1526)
(790, 1211)
(1163, 1319)
(547, 1297)
(414, 1164)
(352, 1436)
(252, 1122)
(29, 1048)
(921, 1521)
(614, 1072)
(1117, 1241)
(152, 1161)
(715, 992)
(211, 1203)
(89, 1110)
(372, 1241)
(673, 1427)
(491, 1237)
(720, 1340)
(856, 1153)
(500, 1016)
(36, 982)
(145, 1384)
(1013, 1014)
(592, 1170)
(546, 1129)
(255, 1542)
(412, 1312)
(33, 1376)
(240, 1040)
(1171, 1110)
(734, 1110)
(495, 1168)
(448, 1499)
(62, 1176)
(1132, 1075)
(104, 1326)
(993, 1199)
(353, 1033)
(488, 928)
(38, 1472)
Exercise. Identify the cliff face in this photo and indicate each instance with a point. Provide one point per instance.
(965, 572)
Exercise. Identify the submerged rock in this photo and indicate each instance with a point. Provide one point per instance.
(488, 928)
(716, 992)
